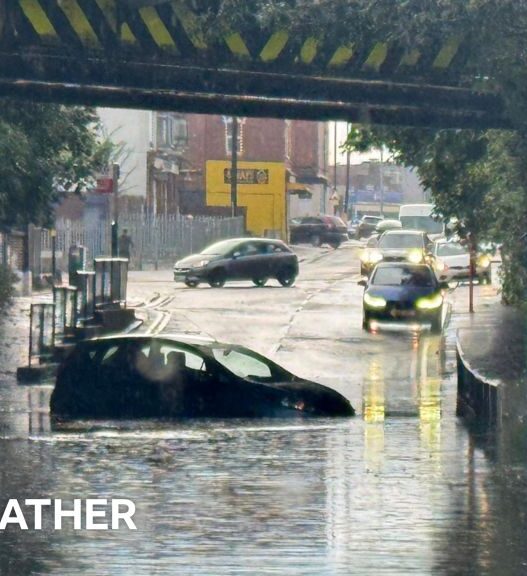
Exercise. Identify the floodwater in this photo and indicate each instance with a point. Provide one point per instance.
(405, 487)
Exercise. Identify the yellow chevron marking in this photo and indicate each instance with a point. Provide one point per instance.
(79, 22)
(342, 55)
(109, 9)
(110, 13)
(274, 46)
(236, 45)
(157, 28)
(377, 56)
(40, 22)
(190, 24)
(127, 35)
(447, 53)
(411, 58)
(309, 50)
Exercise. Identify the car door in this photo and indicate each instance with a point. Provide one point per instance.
(246, 257)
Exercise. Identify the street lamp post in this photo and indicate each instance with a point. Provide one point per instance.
(381, 178)
(234, 166)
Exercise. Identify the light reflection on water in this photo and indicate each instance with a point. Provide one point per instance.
(401, 489)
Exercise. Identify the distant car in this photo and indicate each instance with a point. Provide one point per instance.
(452, 262)
(317, 230)
(256, 259)
(182, 377)
(367, 226)
(387, 224)
(397, 246)
(403, 291)
(352, 228)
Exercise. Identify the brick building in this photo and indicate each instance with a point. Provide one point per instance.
(166, 165)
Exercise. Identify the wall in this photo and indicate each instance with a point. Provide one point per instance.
(264, 201)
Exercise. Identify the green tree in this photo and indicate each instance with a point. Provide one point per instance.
(44, 148)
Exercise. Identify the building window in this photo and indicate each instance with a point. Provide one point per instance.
(172, 131)
(227, 121)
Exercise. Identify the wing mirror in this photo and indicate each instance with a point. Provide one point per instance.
(362, 283)
(236, 255)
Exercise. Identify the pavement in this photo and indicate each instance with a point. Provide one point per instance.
(493, 344)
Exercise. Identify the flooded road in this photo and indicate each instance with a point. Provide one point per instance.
(403, 488)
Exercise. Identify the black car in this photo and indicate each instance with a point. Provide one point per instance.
(403, 291)
(317, 230)
(256, 259)
(367, 225)
(182, 376)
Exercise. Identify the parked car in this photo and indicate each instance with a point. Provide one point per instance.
(452, 262)
(256, 259)
(182, 376)
(397, 246)
(367, 226)
(403, 291)
(317, 230)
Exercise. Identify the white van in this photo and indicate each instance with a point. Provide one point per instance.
(420, 217)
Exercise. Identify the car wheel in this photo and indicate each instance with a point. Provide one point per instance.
(437, 322)
(286, 277)
(217, 279)
(191, 283)
(260, 281)
(334, 245)
(316, 240)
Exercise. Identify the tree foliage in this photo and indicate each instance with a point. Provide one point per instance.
(44, 148)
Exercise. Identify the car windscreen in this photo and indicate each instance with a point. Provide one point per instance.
(401, 241)
(424, 223)
(451, 249)
(402, 276)
(245, 363)
(221, 247)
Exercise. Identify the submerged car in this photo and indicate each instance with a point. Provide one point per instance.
(256, 259)
(405, 292)
(452, 262)
(397, 246)
(317, 230)
(182, 376)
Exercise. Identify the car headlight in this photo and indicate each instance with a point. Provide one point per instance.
(374, 301)
(200, 264)
(484, 261)
(371, 256)
(429, 302)
(415, 256)
(440, 265)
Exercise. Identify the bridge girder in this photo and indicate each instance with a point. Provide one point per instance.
(152, 53)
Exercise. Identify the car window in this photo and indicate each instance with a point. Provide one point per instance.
(403, 276)
(249, 249)
(401, 241)
(109, 354)
(221, 248)
(451, 249)
(242, 363)
(192, 360)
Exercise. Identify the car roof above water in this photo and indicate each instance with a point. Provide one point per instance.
(183, 337)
